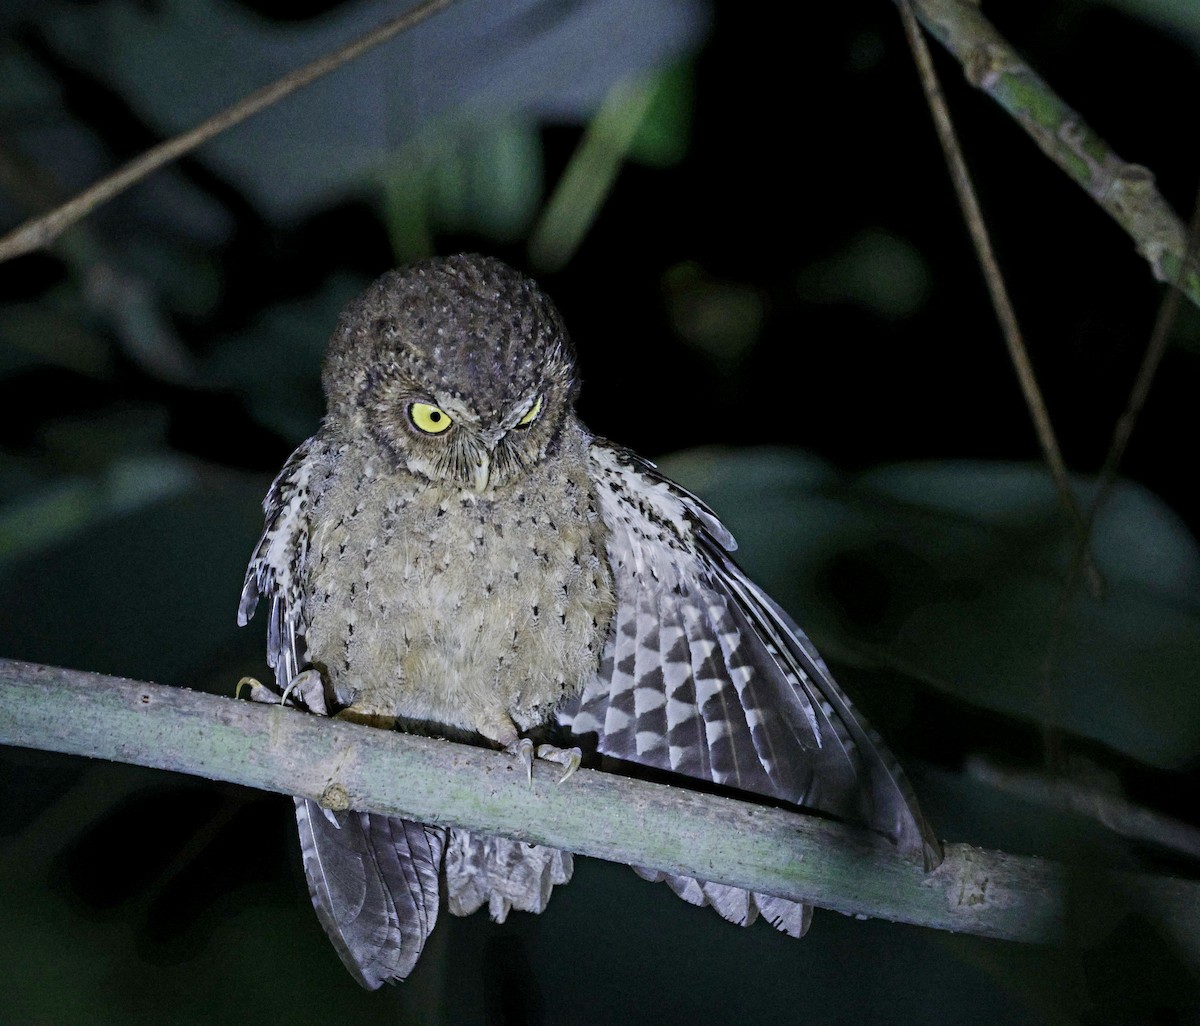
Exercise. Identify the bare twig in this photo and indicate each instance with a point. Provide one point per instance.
(40, 231)
(346, 765)
(1155, 350)
(1122, 432)
(1005, 313)
(1118, 814)
(1126, 191)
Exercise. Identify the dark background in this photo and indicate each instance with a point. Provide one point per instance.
(778, 289)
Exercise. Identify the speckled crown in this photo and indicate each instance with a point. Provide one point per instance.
(466, 324)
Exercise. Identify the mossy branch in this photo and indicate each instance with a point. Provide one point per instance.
(990, 893)
(1125, 191)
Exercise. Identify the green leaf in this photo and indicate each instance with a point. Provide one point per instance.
(876, 270)
(589, 177)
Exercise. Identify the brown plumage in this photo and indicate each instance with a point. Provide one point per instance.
(454, 553)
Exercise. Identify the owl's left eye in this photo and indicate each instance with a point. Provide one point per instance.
(532, 415)
(428, 418)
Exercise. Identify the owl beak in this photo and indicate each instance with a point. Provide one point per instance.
(483, 471)
(483, 458)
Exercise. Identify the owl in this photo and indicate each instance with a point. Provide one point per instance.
(454, 554)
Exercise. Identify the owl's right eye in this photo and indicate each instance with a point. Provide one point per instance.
(428, 418)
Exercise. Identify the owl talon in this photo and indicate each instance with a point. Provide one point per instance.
(522, 749)
(568, 758)
(259, 692)
(309, 690)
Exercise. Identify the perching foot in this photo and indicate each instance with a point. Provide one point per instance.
(364, 715)
(259, 692)
(309, 691)
(568, 758)
(306, 690)
(522, 749)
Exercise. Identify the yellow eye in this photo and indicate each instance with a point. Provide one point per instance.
(532, 415)
(429, 418)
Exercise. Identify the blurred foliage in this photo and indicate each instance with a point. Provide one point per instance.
(275, 361)
(472, 178)
(754, 244)
(953, 573)
(643, 118)
(1180, 16)
(875, 271)
(720, 319)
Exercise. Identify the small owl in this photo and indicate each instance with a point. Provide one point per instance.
(453, 553)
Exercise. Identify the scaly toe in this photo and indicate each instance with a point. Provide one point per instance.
(259, 692)
(353, 714)
(522, 748)
(568, 758)
(309, 689)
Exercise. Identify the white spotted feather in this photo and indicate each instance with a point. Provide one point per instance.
(373, 879)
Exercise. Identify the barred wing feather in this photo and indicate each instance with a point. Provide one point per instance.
(705, 676)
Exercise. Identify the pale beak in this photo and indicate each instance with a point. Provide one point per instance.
(483, 471)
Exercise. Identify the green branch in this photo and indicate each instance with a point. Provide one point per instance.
(1126, 191)
(346, 765)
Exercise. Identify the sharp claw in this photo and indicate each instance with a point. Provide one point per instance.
(259, 692)
(283, 699)
(353, 714)
(522, 749)
(309, 692)
(568, 758)
(306, 687)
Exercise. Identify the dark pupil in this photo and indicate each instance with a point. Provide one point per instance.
(435, 416)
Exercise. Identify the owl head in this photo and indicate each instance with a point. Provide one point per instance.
(459, 369)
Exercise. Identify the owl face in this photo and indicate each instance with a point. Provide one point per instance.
(460, 370)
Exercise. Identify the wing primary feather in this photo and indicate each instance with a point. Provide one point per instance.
(620, 725)
(890, 804)
(650, 697)
(768, 717)
(339, 894)
(831, 781)
(687, 745)
(726, 733)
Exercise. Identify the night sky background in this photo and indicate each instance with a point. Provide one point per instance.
(776, 298)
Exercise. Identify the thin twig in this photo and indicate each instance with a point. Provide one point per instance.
(1155, 350)
(1117, 813)
(1122, 432)
(38, 232)
(776, 851)
(1001, 302)
(1125, 191)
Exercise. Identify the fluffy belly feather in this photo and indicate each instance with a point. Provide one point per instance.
(455, 612)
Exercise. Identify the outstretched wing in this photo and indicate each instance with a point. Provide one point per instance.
(704, 675)
(373, 880)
